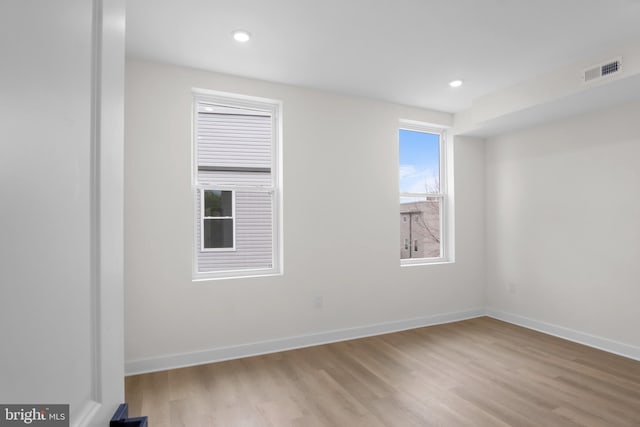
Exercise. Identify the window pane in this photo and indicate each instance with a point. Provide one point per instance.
(423, 228)
(218, 233)
(419, 162)
(217, 203)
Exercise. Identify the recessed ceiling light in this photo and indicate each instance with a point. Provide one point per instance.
(241, 36)
(455, 83)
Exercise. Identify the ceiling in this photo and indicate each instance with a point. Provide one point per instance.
(403, 51)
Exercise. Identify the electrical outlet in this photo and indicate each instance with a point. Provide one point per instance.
(511, 287)
(318, 301)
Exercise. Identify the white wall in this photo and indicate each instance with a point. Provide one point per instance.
(61, 250)
(563, 226)
(340, 225)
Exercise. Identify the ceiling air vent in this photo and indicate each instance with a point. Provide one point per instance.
(601, 70)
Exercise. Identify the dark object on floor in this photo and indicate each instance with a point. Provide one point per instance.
(121, 418)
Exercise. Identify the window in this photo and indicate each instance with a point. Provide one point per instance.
(217, 220)
(236, 186)
(423, 194)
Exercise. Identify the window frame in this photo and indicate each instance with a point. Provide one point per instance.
(238, 101)
(444, 194)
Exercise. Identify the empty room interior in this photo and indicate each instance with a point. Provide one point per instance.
(322, 213)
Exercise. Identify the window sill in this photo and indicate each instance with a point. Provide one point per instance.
(423, 262)
(248, 274)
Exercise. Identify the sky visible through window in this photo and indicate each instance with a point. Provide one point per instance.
(419, 162)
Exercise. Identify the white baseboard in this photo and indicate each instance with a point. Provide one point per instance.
(615, 347)
(219, 354)
(263, 347)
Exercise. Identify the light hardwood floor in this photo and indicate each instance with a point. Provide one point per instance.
(479, 372)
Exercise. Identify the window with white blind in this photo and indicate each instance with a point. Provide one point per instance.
(236, 186)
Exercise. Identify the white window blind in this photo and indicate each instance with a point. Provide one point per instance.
(228, 140)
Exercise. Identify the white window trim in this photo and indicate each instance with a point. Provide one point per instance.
(445, 195)
(274, 107)
(203, 218)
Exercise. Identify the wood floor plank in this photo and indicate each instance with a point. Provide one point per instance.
(481, 372)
